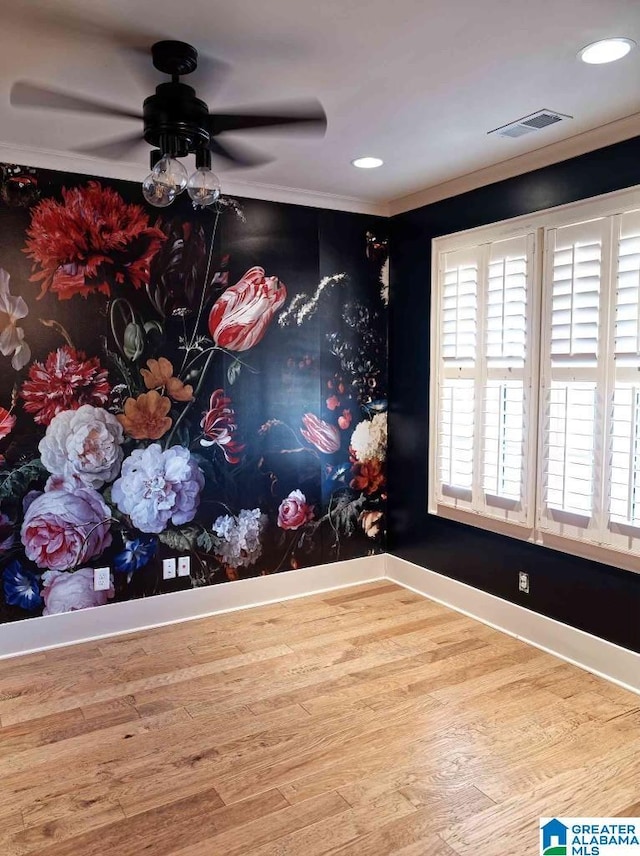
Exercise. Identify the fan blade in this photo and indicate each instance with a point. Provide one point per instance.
(113, 149)
(25, 94)
(237, 154)
(301, 114)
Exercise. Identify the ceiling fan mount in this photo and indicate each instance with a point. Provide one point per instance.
(174, 58)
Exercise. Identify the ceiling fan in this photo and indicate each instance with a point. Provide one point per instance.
(176, 123)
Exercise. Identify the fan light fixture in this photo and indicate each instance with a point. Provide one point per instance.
(169, 178)
(367, 163)
(606, 50)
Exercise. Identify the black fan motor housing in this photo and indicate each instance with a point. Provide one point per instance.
(175, 119)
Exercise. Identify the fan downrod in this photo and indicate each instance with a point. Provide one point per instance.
(174, 58)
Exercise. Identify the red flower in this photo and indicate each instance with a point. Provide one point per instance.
(65, 381)
(325, 437)
(89, 242)
(218, 426)
(7, 422)
(240, 317)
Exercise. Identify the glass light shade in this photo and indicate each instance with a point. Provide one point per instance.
(607, 50)
(204, 187)
(170, 173)
(156, 193)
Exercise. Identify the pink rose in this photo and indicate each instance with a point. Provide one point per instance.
(63, 592)
(240, 317)
(294, 511)
(63, 528)
(325, 437)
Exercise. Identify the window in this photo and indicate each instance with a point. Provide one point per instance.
(535, 378)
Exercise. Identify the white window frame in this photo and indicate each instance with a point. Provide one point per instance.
(538, 224)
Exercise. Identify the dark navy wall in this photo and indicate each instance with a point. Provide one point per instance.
(597, 598)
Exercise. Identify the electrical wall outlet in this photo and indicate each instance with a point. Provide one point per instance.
(184, 566)
(169, 569)
(523, 582)
(101, 579)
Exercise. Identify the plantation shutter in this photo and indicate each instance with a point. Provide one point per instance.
(460, 283)
(622, 462)
(590, 438)
(484, 385)
(577, 261)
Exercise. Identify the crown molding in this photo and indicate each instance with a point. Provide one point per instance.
(595, 138)
(86, 165)
(580, 144)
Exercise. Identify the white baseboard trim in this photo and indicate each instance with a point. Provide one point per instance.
(604, 659)
(69, 628)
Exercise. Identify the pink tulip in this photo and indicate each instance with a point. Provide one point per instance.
(240, 317)
(325, 437)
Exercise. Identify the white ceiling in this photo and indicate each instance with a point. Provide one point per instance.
(416, 82)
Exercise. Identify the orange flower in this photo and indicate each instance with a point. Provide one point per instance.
(368, 476)
(145, 417)
(344, 421)
(333, 402)
(160, 375)
(371, 522)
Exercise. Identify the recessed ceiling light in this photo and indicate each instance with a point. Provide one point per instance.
(607, 50)
(367, 163)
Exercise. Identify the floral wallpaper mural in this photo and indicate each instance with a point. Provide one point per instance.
(204, 383)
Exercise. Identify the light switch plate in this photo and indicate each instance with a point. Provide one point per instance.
(101, 579)
(169, 569)
(184, 566)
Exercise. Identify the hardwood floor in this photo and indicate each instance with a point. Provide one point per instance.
(368, 721)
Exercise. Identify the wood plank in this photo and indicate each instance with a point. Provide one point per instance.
(160, 832)
(330, 834)
(275, 826)
(17, 709)
(82, 820)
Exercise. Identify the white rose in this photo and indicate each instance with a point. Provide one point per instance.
(84, 443)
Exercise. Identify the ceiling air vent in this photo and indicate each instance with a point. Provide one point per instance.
(528, 124)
